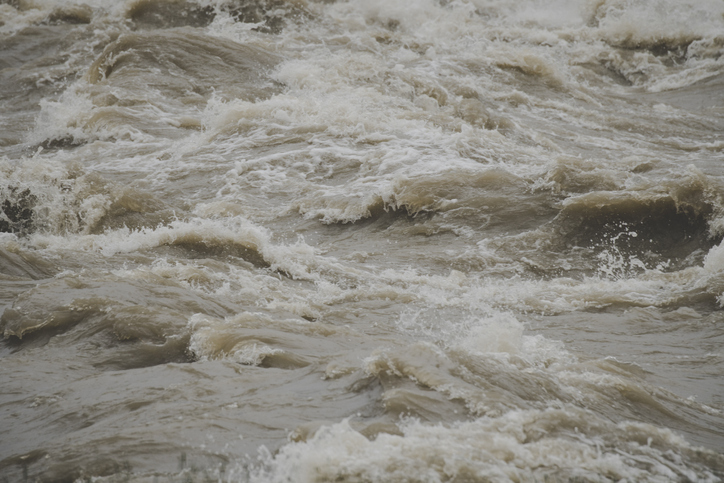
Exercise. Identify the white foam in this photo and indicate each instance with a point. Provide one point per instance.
(64, 198)
(532, 445)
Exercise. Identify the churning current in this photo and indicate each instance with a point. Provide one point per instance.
(361, 241)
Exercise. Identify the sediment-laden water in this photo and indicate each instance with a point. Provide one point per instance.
(362, 241)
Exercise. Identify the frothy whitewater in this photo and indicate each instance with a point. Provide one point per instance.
(361, 241)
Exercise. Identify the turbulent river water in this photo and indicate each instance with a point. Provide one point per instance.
(361, 241)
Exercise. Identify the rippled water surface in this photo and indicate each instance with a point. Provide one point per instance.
(361, 241)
